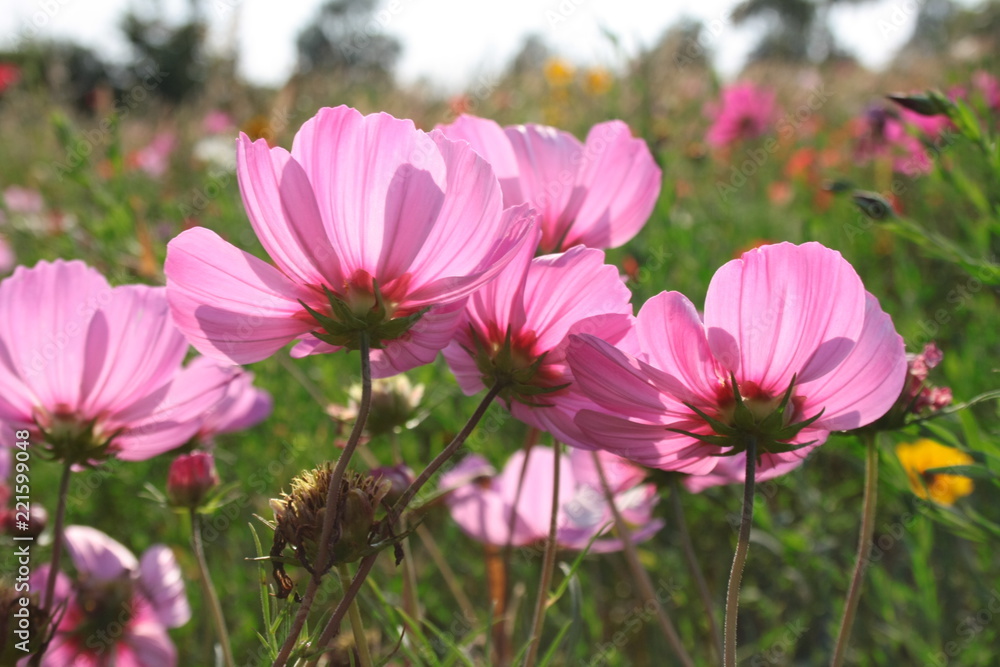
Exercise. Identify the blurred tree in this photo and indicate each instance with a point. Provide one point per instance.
(173, 55)
(796, 30)
(347, 37)
(69, 72)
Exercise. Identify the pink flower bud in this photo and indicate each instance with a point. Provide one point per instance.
(190, 479)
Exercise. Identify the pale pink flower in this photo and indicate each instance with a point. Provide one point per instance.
(359, 201)
(96, 370)
(154, 158)
(746, 111)
(598, 193)
(780, 314)
(217, 121)
(520, 325)
(482, 503)
(931, 126)
(23, 200)
(118, 608)
(988, 87)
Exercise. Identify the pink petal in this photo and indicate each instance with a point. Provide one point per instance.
(97, 555)
(229, 304)
(784, 310)
(732, 469)
(534, 506)
(548, 160)
(866, 384)
(282, 208)
(133, 348)
(649, 444)
(362, 169)
(39, 581)
(45, 313)
(617, 186)
(673, 337)
(561, 290)
(163, 583)
(515, 227)
(146, 644)
(242, 406)
(488, 139)
(170, 417)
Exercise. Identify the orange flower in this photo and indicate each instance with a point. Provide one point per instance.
(558, 72)
(597, 81)
(923, 455)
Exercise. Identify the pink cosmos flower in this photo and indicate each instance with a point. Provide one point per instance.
(598, 193)
(217, 121)
(154, 158)
(519, 325)
(360, 202)
(483, 503)
(95, 370)
(23, 200)
(745, 111)
(931, 126)
(881, 135)
(988, 87)
(118, 608)
(779, 314)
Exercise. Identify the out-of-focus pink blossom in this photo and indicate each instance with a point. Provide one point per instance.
(154, 158)
(217, 122)
(598, 193)
(9, 75)
(931, 126)
(745, 111)
(988, 87)
(360, 202)
(781, 317)
(242, 406)
(919, 396)
(880, 135)
(519, 326)
(23, 200)
(95, 370)
(117, 608)
(486, 505)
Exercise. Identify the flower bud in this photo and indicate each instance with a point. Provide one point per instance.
(190, 479)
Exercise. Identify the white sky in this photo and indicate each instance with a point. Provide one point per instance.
(451, 42)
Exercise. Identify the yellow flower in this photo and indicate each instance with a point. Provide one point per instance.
(597, 81)
(558, 72)
(922, 455)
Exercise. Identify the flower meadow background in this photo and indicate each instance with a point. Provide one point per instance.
(107, 163)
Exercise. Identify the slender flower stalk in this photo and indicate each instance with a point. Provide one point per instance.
(57, 545)
(447, 573)
(208, 590)
(864, 546)
(639, 574)
(692, 559)
(548, 565)
(448, 451)
(332, 500)
(740, 557)
(357, 625)
(366, 564)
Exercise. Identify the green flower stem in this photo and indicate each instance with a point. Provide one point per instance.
(864, 547)
(208, 590)
(692, 560)
(57, 545)
(320, 566)
(357, 626)
(548, 565)
(639, 574)
(740, 557)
